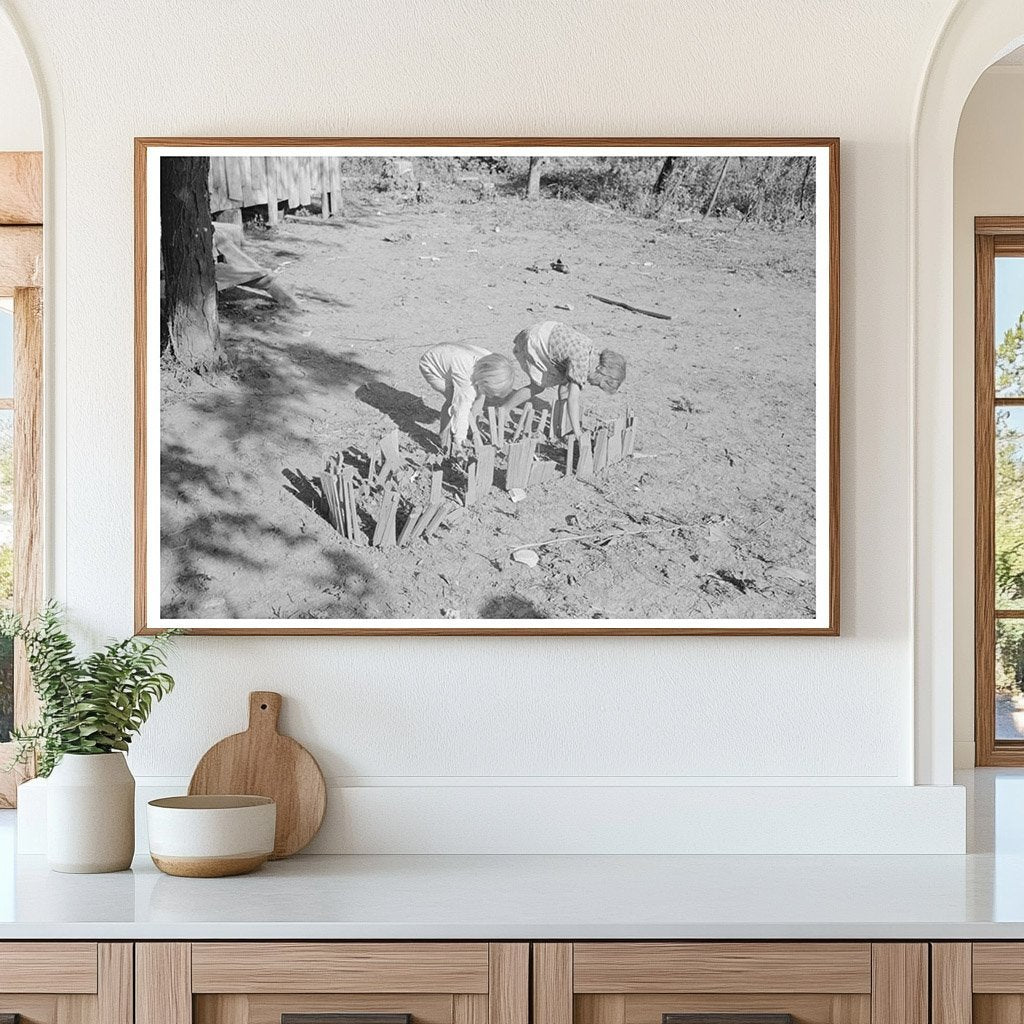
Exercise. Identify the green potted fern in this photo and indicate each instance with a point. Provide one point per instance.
(89, 710)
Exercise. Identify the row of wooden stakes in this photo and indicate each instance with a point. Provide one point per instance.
(595, 453)
(550, 421)
(338, 484)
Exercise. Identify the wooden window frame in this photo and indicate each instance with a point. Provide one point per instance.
(21, 278)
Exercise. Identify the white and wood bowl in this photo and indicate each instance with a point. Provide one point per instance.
(211, 836)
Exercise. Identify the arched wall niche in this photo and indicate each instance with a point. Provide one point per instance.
(976, 34)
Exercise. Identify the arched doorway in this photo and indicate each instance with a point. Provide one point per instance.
(976, 34)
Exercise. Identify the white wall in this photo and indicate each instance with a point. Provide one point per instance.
(987, 181)
(446, 713)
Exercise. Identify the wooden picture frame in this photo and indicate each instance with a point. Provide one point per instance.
(825, 578)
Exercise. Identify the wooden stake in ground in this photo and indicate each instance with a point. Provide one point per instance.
(437, 517)
(471, 484)
(410, 525)
(615, 441)
(348, 488)
(485, 469)
(541, 426)
(520, 459)
(436, 486)
(601, 451)
(329, 489)
(629, 437)
(585, 463)
(384, 533)
(570, 447)
(492, 423)
(522, 427)
(420, 522)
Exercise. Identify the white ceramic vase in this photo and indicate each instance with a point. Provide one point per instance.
(90, 814)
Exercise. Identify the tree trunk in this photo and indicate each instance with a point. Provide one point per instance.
(191, 332)
(718, 188)
(533, 185)
(664, 174)
(803, 183)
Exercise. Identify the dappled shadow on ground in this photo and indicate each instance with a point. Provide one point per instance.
(510, 606)
(408, 412)
(204, 552)
(307, 491)
(228, 549)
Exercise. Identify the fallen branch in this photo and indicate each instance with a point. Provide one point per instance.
(632, 309)
(601, 536)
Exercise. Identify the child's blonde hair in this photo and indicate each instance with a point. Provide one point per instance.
(494, 375)
(612, 368)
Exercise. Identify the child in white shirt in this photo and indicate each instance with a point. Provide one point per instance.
(467, 376)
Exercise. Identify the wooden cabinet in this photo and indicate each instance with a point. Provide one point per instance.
(494, 983)
(752, 982)
(978, 983)
(307, 982)
(66, 982)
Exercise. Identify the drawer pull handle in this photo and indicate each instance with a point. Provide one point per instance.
(727, 1018)
(341, 1018)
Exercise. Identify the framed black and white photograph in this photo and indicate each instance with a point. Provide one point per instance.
(536, 386)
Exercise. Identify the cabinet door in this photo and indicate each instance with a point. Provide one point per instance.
(980, 982)
(65, 983)
(730, 983)
(332, 983)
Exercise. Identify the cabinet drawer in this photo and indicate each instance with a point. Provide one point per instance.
(340, 967)
(64, 967)
(730, 983)
(332, 983)
(635, 967)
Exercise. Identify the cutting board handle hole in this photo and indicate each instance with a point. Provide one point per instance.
(263, 707)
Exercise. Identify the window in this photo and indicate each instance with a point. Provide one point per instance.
(20, 491)
(21, 366)
(999, 490)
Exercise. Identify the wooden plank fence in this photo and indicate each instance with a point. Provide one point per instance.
(294, 181)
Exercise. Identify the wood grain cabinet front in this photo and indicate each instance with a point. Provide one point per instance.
(730, 983)
(66, 982)
(978, 983)
(332, 983)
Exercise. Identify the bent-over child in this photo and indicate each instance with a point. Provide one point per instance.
(467, 376)
(553, 354)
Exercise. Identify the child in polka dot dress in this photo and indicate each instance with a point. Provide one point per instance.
(555, 355)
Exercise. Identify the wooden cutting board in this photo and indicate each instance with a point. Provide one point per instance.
(262, 762)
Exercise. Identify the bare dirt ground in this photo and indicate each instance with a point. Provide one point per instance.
(723, 393)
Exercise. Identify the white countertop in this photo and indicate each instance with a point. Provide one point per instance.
(496, 897)
(978, 896)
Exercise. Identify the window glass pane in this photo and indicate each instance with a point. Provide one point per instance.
(1009, 679)
(6, 567)
(1009, 323)
(1009, 539)
(6, 353)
